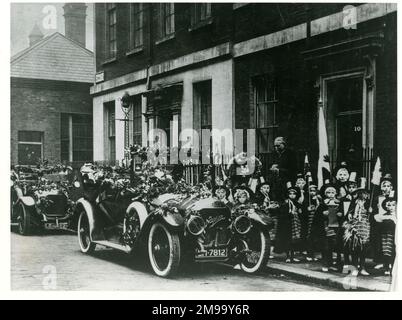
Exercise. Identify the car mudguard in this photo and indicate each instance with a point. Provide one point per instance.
(141, 210)
(174, 220)
(18, 192)
(27, 201)
(261, 220)
(96, 232)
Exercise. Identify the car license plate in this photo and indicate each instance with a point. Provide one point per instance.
(212, 253)
(55, 226)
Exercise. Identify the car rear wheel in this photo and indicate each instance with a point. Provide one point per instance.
(84, 235)
(163, 250)
(24, 220)
(256, 258)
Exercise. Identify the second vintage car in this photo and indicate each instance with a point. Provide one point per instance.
(40, 200)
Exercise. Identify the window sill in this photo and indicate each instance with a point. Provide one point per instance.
(135, 50)
(167, 38)
(201, 24)
(110, 60)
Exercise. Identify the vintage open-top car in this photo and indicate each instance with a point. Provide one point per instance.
(183, 224)
(40, 199)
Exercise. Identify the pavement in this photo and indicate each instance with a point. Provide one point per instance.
(311, 272)
(53, 262)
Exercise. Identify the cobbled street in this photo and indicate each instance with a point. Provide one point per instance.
(34, 260)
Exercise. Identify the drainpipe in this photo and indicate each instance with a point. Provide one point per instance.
(150, 44)
(149, 120)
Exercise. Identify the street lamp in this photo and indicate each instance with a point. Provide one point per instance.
(126, 108)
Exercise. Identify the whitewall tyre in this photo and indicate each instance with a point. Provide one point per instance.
(24, 220)
(260, 255)
(84, 234)
(163, 250)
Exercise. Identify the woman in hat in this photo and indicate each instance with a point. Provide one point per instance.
(289, 226)
(387, 221)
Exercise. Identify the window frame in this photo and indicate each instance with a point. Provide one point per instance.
(133, 31)
(71, 119)
(197, 20)
(265, 81)
(162, 19)
(137, 116)
(110, 8)
(111, 134)
(202, 90)
(20, 142)
(80, 119)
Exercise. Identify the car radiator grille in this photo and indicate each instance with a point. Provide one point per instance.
(56, 207)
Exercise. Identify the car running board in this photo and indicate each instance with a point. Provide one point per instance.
(113, 245)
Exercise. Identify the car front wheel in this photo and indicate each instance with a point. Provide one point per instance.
(163, 250)
(84, 236)
(24, 220)
(258, 247)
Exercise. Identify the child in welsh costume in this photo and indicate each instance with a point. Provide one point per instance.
(357, 229)
(341, 178)
(289, 226)
(310, 205)
(386, 190)
(329, 214)
(243, 198)
(270, 207)
(301, 184)
(387, 222)
(344, 206)
(222, 193)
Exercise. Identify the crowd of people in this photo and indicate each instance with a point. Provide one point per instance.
(342, 222)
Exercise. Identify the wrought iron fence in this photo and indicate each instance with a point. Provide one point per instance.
(194, 173)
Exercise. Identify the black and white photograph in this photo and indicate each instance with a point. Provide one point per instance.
(203, 147)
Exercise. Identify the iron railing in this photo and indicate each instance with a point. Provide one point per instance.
(193, 173)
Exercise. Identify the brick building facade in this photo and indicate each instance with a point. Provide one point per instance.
(51, 107)
(38, 106)
(264, 66)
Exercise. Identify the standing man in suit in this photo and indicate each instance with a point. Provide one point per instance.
(283, 167)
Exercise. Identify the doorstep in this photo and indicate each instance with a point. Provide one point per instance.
(311, 272)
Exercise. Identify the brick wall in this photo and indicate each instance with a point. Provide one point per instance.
(36, 106)
(228, 24)
(185, 40)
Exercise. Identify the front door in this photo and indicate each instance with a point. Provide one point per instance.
(344, 115)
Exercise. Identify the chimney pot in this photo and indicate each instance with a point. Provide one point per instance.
(75, 16)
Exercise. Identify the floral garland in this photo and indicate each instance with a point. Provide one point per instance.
(35, 181)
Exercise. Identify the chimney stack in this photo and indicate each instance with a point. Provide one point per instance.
(74, 16)
(35, 36)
